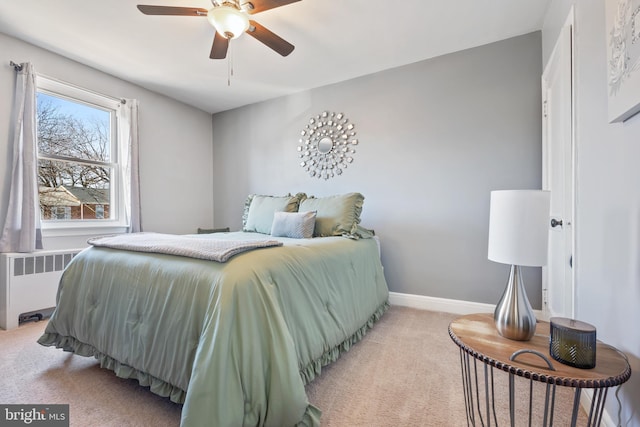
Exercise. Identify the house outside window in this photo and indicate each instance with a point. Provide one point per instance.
(78, 159)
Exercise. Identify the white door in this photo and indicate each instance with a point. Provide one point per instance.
(558, 176)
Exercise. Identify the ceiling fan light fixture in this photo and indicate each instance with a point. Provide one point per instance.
(228, 21)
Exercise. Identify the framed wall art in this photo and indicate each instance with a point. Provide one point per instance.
(623, 58)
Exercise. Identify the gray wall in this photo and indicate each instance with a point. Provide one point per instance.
(175, 144)
(607, 257)
(435, 138)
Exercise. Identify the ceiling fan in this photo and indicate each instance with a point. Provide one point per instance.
(230, 18)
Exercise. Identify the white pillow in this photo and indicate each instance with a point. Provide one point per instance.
(297, 225)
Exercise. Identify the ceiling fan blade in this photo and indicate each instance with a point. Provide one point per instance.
(269, 38)
(170, 10)
(220, 47)
(256, 6)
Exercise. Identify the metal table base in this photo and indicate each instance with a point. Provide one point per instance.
(549, 394)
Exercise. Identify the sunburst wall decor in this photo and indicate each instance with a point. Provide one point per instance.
(327, 145)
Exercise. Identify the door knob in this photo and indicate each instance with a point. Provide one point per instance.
(556, 222)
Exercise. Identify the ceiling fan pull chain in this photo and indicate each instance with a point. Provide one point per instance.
(231, 58)
(230, 63)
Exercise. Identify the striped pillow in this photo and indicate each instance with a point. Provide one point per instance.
(297, 225)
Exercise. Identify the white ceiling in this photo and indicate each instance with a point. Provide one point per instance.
(335, 41)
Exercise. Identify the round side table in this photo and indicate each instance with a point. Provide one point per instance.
(478, 339)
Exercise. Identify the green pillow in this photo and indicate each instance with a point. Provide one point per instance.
(259, 211)
(336, 215)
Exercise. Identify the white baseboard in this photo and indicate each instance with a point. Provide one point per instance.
(467, 307)
(439, 304)
(586, 397)
(442, 304)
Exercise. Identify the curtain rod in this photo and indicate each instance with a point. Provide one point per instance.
(15, 66)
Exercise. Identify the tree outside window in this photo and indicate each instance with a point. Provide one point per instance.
(76, 158)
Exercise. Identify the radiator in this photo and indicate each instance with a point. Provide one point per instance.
(29, 283)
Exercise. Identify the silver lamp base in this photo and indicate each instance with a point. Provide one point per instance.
(514, 316)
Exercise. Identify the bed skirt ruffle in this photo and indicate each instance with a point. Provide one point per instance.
(313, 369)
(156, 385)
(177, 395)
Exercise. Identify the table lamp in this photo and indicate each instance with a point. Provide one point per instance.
(518, 235)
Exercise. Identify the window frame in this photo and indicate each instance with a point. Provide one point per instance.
(117, 223)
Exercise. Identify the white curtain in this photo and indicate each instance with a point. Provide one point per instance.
(128, 146)
(22, 231)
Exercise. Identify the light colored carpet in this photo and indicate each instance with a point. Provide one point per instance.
(405, 372)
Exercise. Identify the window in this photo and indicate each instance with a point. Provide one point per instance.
(61, 212)
(78, 159)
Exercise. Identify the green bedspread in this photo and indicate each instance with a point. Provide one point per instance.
(235, 341)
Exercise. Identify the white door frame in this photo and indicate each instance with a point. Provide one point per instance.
(569, 292)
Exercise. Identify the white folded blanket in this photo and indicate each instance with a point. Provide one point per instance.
(187, 246)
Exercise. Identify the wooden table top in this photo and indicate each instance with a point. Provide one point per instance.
(477, 335)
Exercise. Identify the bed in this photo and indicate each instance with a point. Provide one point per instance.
(234, 341)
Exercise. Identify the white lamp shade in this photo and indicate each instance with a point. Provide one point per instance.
(228, 21)
(519, 227)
